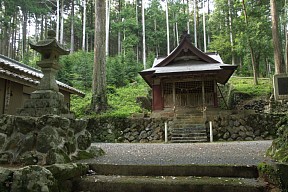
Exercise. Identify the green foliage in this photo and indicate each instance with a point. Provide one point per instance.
(245, 85)
(269, 173)
(80, 106)
(122, 100)
(122, 69)
(255, 34)
(77, 69)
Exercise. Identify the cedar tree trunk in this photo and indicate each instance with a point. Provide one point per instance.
(99, 98)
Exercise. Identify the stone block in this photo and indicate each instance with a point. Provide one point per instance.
(25, 124)
(2, 140)
(62, 172)
(6, 178)
(57, 155)
(83, 140)
(47, 139)
(43, 180)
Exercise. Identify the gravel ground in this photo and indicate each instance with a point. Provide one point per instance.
(228, 153)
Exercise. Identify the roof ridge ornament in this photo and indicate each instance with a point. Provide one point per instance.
(185, 35)
(51, 34)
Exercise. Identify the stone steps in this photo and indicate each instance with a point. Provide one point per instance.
(170, 178)
(188, 133)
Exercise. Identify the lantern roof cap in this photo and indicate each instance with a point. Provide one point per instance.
(49, 44)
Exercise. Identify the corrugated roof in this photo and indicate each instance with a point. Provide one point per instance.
(29, 74)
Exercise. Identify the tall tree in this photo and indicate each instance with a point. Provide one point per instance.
(204, 27)
(107, 27)
(84, 25)
(99, 97)
(72, 28)
(230, 20)
(57, 20)
(167, 28)
(275, 34)
(195, 8)
(143, 34)
(255, 77)
(62, 22)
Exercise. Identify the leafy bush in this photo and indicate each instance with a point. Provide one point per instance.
(122, 69)
(77, 69)
(121, 101)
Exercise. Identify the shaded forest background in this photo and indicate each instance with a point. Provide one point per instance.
(238, 30)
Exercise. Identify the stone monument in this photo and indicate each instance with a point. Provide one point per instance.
(280, 82)
(47, 99)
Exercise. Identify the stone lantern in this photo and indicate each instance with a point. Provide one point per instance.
(47, 99)
(50, 51)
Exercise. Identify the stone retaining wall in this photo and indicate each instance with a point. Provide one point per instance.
(127, 130)
(42, 140)
(238, 127)
(245, 127)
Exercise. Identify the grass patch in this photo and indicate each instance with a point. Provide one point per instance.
(246, 85)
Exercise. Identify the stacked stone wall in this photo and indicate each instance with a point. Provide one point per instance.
(225, 128)
(42, 140)
(245, 127)
(127, 130)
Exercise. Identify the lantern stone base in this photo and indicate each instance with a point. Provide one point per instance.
(44, 102)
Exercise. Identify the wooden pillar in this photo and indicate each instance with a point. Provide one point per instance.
(203, 100)
(157, 96)
(2, 95)
(7, 96)
(203, 94)
(215, 94)
(174, 94)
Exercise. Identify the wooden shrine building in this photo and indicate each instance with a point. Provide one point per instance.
(186, 78)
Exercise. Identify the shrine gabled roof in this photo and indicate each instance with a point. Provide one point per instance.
(28, 75)
(186, 59)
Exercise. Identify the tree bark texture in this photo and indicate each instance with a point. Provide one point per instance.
(250, 46)
(72, 28)
(99, 97)
(275, 37)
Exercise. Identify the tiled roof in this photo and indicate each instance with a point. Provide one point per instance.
(29, 74)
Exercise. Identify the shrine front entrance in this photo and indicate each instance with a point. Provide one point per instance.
(189, 94)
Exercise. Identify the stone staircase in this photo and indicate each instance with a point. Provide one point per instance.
(170, 178)
(188, 128)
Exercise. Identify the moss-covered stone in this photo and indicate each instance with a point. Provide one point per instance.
(84, 140)
(90, 153)
(283, 174)
(57, 156)
(33, 178)
(6, 176)
(269, 173)
(25, 124)
(47, 139)
(279, 147)
(68, 171)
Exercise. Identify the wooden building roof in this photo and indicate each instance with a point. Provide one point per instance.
(26, 75)
(185, 60)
